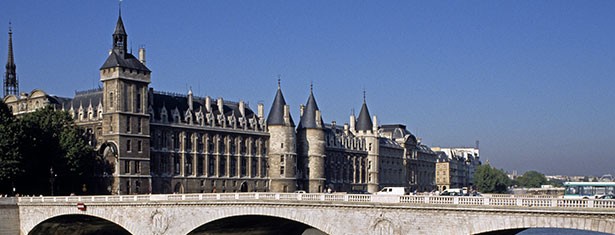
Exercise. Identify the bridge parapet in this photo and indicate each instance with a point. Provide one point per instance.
(356, 198)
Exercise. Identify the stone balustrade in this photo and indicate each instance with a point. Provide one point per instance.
(495, 201)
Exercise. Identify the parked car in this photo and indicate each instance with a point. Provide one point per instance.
(300, 191)
(610, 196)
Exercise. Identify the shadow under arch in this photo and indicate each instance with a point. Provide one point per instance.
(542, 230)
(78, 225)
(255, 224)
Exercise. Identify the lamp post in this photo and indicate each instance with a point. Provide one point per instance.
(52, 178)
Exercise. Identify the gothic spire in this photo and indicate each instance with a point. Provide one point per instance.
(309, 117)
(364, 122)
(120, 38)
(277, 112)
(10, 79)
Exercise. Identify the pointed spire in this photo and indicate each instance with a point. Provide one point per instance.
(11, 60)
(11, 85)
(276, 114)
(364, 122)
(309, 118)
(120, 38)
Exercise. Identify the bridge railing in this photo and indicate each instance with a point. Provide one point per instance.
(353, 198)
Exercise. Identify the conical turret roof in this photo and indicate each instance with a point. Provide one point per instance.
(364, 121)
(308, 119)
(276, 114)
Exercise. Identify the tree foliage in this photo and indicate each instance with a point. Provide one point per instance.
(49, 154)
(531, 179)
(10, 157)
(490, 180)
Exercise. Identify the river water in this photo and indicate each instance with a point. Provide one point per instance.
(556, 231)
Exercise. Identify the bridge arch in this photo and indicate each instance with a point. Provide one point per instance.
(518, 224)
(78, 224)
(255, 224)
(315, 224)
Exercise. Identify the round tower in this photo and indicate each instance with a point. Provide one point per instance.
(282, 155)
(311, 148)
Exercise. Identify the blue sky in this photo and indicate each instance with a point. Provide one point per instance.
(531, 80)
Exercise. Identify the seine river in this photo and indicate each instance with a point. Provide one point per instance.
(552, 231)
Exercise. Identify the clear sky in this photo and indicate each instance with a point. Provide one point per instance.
(532, 80)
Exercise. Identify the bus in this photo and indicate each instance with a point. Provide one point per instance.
(587, 190)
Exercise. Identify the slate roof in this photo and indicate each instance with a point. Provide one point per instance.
(85, 98)
(172, 101)
(364, 122)
(308, 119)
(119, 27)
(127, 60)
(276, 115)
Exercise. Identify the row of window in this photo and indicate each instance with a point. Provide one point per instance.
(218, 143)
(129, 146)
(217, 165)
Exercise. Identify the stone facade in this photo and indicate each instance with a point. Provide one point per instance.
(160, 142)
(456, 166)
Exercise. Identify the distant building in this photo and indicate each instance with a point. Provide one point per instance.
(456, 166)
(161, 142)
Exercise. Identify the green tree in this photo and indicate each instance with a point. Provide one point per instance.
(531, 179)
(56, 154)
(490, 180)
(10, 156)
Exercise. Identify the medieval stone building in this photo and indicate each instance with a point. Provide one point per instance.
(161, 142)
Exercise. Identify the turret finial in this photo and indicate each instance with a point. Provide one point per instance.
(279, 80)
(311, 86)
(363, 95)
(120, 7)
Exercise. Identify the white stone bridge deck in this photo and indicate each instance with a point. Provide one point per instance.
(327, 213)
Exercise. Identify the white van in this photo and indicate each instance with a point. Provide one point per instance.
(452, 192)
(392, 191)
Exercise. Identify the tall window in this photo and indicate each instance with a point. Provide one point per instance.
(222, 168)
(211, 165)
(176, 164)
(199, 165)
(140, 146)
(233, 166)
(137, 167)
(139, 127)
(138, 108)
(111, 100)
(127, 167)
(128, 145)
(243, 165)
(127, 124)
(188, 165)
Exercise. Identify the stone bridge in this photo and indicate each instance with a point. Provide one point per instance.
(265, 213)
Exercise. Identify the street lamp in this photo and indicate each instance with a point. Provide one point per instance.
(52, 178)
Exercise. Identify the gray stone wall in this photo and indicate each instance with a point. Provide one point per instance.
(9, 216)
(282, 157)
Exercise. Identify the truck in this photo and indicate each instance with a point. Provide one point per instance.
(392, 191)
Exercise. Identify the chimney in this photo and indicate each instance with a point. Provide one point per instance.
(142, 55)
(242, 108)
(353, 120)
(318, 119)
(301, 109)
(375, 127)
(208, 104)
(190, 101)
(286, 114)
(260, 111)
(220, 105)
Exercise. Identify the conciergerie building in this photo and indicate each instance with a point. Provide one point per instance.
(161, 142)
